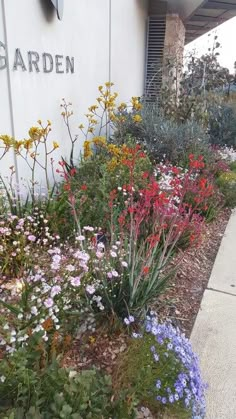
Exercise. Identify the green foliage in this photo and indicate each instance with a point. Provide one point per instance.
(56, 392)
(92, 183)
(233, 166)
(222, 125)
(141, 381)
(227, 185)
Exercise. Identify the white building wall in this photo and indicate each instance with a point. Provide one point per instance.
(128, 45)
(106, 39)
(5, 116)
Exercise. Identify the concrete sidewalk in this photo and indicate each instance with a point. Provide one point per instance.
(214, 332)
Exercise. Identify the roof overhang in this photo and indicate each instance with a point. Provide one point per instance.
(210, 14)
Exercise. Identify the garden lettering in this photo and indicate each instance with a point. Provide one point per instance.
(34, 62)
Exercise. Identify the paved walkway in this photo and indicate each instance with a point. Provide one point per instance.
(214, 332)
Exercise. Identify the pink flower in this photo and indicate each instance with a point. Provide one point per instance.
(48, 302)
(70, 268)
(90, 289)
(80, 238)
(55, 290)
(31, 238)
(75, 281)
(115, 273)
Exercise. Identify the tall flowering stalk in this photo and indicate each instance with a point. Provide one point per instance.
(155, 220)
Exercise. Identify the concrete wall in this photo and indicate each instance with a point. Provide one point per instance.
(107, 40)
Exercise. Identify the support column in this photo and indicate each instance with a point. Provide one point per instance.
(173, 51)
(165, 46)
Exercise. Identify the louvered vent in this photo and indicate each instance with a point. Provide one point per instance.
(154, 57)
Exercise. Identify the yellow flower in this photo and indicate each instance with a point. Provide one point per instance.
(109, 84)
(35, 133)
(7, 140)
(99, 141)
(93, 108)
(91, 129)
(114, 149)
(136, 103)
(81, 126)
(112, 164)
(55, 145)
(28, 144)
(122, 107)
(87, 149)
(18, 145)
(137, 118)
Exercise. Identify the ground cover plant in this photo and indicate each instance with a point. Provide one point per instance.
(96, 252)
(168, 371)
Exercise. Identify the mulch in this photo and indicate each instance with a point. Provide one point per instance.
(181, 301)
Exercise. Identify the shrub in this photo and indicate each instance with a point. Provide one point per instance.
(161, 368)
(227, 185)
(163, 138)
(55, 392)
(222, 125)
(86, 190)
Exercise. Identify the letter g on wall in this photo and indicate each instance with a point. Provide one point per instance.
(3, 58)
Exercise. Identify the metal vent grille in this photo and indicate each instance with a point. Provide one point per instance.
(154, 57)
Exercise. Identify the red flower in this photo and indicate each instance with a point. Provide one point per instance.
(146, 270)
(73, 171)
(67, 187)
(84, 187)
(145, 175)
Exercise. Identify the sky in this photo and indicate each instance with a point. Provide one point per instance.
(226, 33)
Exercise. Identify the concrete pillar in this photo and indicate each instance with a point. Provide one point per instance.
(165, 46)
(173, 51)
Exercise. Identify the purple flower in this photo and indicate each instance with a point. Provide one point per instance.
(115, 273)
(75, 281)
(171, 398)
(55, 290)
(48, 302)
(31, 238)
(158, 384)
(185, 377)
(90, 289)
(113, 254)
(156, 357)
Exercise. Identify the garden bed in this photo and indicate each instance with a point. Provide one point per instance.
(180, 302)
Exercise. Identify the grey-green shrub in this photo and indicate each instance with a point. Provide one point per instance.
(164, 138)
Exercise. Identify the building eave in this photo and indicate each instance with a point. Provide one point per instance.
(209, 15)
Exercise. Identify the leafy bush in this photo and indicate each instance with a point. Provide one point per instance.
(222, 125)
(55, 392)
(86, 189)
(162, 370)
(227, 185)
(163, 138)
